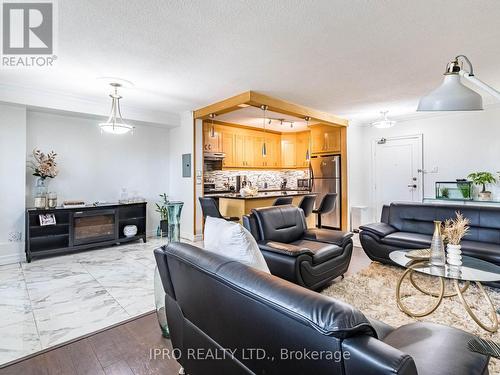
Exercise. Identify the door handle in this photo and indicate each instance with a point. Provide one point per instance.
(412, 186)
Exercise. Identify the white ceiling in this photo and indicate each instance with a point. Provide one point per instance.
(252, 116)
(350, 58)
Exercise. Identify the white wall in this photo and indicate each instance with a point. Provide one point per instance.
(94, 166)
(181, 188)
(456, 143)
(12, 180)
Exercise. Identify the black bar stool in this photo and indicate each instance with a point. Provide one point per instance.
(209, 208)
(282, 201)
(307, 204)
(327, 204)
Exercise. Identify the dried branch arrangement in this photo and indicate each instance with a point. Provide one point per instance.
(456, 229)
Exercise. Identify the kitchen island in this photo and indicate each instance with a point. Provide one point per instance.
(234, 204)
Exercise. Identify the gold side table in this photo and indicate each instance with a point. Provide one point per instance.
(471, 270)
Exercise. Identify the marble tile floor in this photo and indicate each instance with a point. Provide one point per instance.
(52, 300)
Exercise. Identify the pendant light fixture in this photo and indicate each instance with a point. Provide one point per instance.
(264, 148)
(384, 123)
(115, 123)
(453, 95)
(212, 127)
(308, 155)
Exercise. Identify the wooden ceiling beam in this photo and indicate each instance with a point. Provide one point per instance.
(224, 106)
(292, 109)
(256, 99)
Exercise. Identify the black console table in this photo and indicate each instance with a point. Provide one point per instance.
(82, 228)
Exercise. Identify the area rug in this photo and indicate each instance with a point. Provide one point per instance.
(373, 291)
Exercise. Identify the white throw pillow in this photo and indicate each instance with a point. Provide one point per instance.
(233, 241)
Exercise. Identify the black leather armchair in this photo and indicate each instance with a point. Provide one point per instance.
(227, 318)
(308, 257)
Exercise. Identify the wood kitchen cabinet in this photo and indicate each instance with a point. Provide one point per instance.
(273, 154)
(243, 150)
(325, 138)
(288, 150)
(228, 148)
(243, 147)
(211, 144)
(273, 143)
(302, 148)
(259, 160)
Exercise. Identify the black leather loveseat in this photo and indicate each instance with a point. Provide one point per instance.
(410, 226)
(308, 257)
(227, 318)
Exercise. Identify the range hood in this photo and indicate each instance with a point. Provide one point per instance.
(213, 156)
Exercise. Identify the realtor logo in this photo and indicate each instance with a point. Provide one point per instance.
(28, 33)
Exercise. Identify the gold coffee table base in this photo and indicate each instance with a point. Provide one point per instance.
(439, 298)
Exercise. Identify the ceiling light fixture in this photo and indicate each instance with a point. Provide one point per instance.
(115, 124)
(385, 122)
(452, 95)
(264, 148)
(212, 127)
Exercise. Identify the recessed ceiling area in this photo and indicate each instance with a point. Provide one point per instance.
(348, 58)
(253, 117)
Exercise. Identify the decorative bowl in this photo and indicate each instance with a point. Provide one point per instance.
(130, 230)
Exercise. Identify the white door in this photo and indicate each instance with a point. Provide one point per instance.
(397, 171)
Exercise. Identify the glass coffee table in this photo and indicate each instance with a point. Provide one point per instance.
(471, 270)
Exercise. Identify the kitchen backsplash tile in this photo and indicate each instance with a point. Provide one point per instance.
(259, 178)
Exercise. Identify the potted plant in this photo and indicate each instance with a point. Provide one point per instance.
(453, 232)
(161, 208)
(483, 178)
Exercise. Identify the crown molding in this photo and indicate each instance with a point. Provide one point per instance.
(414, 116)
(58, 101)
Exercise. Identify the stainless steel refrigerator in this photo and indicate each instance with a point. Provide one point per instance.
(324, 172)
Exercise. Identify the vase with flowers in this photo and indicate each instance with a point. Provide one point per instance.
(453, 231)
(44, 166)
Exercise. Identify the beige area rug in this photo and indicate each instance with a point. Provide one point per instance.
(373, 291)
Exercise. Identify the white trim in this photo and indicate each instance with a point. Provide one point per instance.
(372, 179)
(414, 116)
(11, 252)
(191, 237)
(32, 97)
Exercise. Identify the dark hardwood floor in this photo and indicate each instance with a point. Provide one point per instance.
(123, 350)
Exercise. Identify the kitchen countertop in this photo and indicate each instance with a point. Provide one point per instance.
(263, 194)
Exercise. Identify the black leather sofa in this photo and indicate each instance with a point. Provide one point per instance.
(308, 257)
(227, 318)
(410, 226)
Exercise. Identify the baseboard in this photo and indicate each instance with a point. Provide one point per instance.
(11, 252)
(191, 237)
(151, 233)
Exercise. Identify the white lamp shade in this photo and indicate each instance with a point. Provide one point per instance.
(452, 95)
(116, 128)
